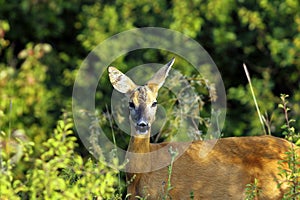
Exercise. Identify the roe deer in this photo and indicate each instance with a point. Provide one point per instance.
(222, 174)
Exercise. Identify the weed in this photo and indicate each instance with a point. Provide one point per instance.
(252, 190)
(291, 174)
(173, 154)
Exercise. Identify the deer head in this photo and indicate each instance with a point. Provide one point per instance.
(141, 99)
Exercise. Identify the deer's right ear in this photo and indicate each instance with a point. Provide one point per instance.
(120, 81)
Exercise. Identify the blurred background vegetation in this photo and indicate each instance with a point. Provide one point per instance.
(43, 43)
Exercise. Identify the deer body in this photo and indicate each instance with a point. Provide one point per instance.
(222, 174)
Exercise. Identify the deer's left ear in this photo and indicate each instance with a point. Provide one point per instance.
(160, 76)
(120, 81)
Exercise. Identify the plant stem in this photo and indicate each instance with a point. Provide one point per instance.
(254, 98)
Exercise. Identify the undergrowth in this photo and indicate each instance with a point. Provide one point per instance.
(292, 173)
(58, 172)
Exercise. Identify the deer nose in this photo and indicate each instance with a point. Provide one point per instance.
(142, 123)
(142, 127)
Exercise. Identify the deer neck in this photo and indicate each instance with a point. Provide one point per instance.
(139, 144)
(138, 155)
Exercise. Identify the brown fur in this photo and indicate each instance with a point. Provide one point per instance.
(222, 174)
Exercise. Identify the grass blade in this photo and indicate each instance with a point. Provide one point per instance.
(254, 98)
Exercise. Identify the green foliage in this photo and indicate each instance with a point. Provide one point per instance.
(251, 123)
(42, 44)
(42, 19)
(173, 154)
(288, 129)
(24, 95)
(291, 173)
(252, 190)
(58, 172)
(4, 27)
(232, 31)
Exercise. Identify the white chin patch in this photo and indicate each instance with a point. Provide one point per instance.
(142, 131)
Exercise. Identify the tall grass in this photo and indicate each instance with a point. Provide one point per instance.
(261, 119)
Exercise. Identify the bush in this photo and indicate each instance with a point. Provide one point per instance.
(57, 173)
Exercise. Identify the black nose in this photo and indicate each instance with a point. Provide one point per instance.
(142, 124)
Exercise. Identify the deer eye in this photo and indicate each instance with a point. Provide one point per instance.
(154, 104)
(131, 105)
